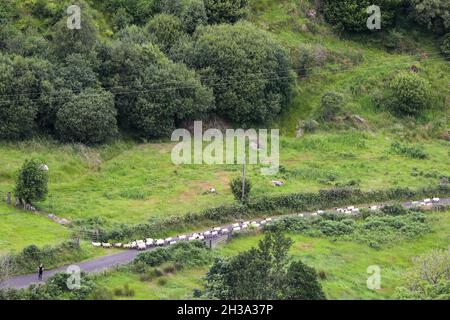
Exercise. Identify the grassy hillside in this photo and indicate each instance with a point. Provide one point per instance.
(132, 182)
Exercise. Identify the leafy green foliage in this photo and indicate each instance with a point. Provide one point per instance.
(411, 151)
(236, 188)
(89, 117)
(330, 105)
(154, 94)
(263, 273)
(31, 181)
(191, 13)
(410, 94)
(225, 11)
(24, 84)
(166, 29)
(182, 253)
(435, 14)
(249, 72)
(352, 15)
(69, 41)
(429, 279)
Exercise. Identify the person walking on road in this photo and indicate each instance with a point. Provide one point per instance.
(40, 272)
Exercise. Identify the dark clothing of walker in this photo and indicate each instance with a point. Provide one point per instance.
(40, 273)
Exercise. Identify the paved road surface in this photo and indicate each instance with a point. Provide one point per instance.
(121, 258)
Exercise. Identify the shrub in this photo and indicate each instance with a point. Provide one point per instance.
(162, 282)
(352, 15)
(90, 117)
(305, 57)
(236, 188)
(394, 210)
(302, 283)
(249, 71)
(225, 11)
(330, 105)
(410, 93)
(335, 228)
(408, 150)
(31, 182)
(166, 30)
(182, 254)
(435, 14)
(102, 294)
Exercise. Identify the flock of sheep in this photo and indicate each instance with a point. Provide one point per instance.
(221, 231)
(210, 234)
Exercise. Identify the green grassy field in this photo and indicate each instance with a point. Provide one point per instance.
(344, 263)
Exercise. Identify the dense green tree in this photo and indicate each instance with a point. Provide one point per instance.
(192, 13)
(69, 41)
(166, 29)
(31, 182)
(133, 34)
(131, 11)
(236, 188)
(263, 273)
(75, 74)
(89, 117)
(25, 87)
(249, 72)
(225, 11)
(352, 15)
(302, 283)
(435, 14)
(152, 93)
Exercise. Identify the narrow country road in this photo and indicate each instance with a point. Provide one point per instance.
(125, 257)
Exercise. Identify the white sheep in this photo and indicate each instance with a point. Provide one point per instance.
(96, 244)
(436, 199)
(236, 228)
(160, 242)
(301, 215)
(201, 237)
(351, 208)
(141, 246)
(172, 242)
(182, 237)
(207, 233)
(235, 225)
(320, 212)
(214, 233)
(244, 226)
(314, 214)
(217, 229)
(269, 219)
(106, 245)
(149, 241)
(374, 208)
(192, 238)
(428, 200)
(263, 222)
(224, 231)
(246, 222)
(127, 246)
(118, 245)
